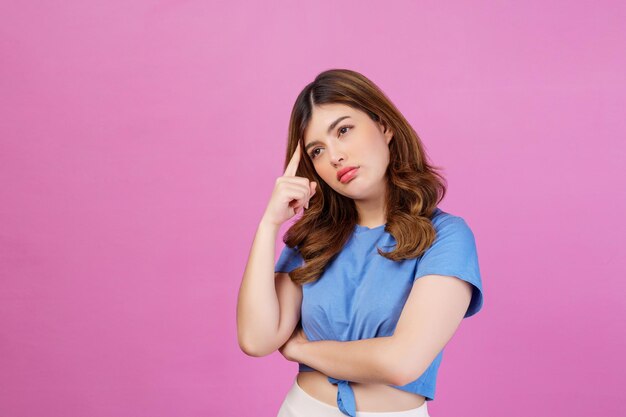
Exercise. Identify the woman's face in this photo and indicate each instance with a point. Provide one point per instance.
(334, 142)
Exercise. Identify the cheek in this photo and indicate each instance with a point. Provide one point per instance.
(325, 174)
(380, 159)
(323, 169)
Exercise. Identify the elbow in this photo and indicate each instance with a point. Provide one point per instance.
(250, 351)
(401, 378)
(396, 380)
(254, 349)
(407, 369)
(404, 374)
(396, 369)
(404, 368)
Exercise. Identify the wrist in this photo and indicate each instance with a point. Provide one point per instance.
(269, 226)
(298, 353)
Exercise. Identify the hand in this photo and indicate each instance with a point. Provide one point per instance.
(290, 193)
(290, 350)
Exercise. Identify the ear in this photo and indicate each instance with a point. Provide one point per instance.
(387, 132)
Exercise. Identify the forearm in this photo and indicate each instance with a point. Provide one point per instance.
(366, 361)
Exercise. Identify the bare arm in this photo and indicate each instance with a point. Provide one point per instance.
(258, 307)
(365, 360)
(268, 304)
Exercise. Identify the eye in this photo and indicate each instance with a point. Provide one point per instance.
(344, 127)
(313, 154)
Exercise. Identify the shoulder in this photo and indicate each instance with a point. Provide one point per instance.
(453, 237)
(447, 223)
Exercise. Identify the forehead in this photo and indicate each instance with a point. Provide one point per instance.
(324, 115)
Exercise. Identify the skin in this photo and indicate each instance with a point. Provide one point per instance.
(355, 141)
(433, 311)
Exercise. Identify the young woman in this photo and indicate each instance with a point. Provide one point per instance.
(374, 278)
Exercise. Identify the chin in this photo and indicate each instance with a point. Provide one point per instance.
(343, 192)
(354, 194)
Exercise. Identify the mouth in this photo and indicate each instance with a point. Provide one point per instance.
(347, 175)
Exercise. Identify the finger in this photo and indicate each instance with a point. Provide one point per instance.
(311, 190)
(302, 203)
(292, 167)
(298, 197)
(297, 191)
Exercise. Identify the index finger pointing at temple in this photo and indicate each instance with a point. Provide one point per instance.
(292, 167)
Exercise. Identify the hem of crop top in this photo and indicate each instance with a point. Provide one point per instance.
(424, 389)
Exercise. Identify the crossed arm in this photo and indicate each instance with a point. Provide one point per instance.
(432, 313)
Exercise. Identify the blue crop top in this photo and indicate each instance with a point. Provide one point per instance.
(361, 294)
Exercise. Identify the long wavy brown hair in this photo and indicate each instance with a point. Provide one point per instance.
(414, 188)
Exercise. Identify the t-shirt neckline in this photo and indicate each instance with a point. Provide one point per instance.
(366, 229)
(360, 228)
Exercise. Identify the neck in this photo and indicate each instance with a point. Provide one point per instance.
(371, 211)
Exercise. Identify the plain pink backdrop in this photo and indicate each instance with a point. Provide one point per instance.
(140, 141)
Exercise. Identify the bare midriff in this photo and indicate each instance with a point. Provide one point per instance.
(368, 397)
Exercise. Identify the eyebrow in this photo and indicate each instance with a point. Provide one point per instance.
(330, 128)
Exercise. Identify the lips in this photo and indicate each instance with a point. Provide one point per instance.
(344, 171)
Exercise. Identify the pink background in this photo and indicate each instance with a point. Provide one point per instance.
(139, 146)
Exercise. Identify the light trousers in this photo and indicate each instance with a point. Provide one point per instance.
(298, 403)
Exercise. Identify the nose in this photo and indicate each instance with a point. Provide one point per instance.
(336, 161)
(335, 155)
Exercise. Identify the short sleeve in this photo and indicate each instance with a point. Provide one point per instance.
(288, 260)
(454, 253)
